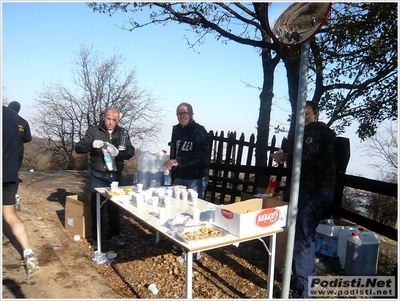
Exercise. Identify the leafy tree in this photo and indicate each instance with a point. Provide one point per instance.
(352, 78)
(64, 114)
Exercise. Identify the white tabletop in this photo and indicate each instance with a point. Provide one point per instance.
(149, 215)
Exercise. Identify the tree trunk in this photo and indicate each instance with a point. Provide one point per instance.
(264, 117)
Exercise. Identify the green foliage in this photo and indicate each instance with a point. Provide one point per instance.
(358, 50)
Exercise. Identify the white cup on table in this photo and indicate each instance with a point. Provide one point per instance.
(125, 199)
(139, 187)
(162, 213)
(154, 201)
(167, 202)
(193, 196)
(196, 215)
(114, 185)
(139, 199)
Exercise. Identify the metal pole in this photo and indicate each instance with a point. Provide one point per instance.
(297, 154)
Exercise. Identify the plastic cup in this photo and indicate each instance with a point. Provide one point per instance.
(196, 214)
(125, 199)
(139, 187)
(154, 201)
(169, 192)
(193, 196)
(153, 288)
(162, 213)
(114, 185)
(184, 195)
(77, 237)
(139, 201)
(167, 203)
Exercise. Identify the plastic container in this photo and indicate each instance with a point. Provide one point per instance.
(343, 235)
(150, 168)
(362, 254)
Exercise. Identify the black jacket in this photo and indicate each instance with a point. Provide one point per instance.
(191, 148)
(96, 154)
(24, 137)
(10, 145)
(318, 166)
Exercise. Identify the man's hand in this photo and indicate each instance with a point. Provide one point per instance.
(98, 144)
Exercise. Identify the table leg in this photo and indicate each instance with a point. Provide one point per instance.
(271, 266)
(98, 218)
(98, 256)
(189, 272)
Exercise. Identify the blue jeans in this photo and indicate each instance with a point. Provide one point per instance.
(198, 185)
(99, 179)
(311, 208)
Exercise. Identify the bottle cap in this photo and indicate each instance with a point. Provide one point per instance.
(354, 233)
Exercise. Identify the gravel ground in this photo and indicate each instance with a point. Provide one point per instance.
(69, 272)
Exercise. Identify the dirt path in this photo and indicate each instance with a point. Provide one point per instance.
(66, 272)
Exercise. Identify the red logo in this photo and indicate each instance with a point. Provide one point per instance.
(267, 217)
(227, 214)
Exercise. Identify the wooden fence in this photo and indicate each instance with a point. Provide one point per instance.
(233, 171)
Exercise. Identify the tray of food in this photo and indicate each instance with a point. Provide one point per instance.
(200, 232)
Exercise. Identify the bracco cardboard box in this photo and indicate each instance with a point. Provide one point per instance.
(253, 216)
(78, 217)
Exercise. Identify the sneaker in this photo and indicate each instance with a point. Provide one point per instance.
(31, 264)
(17, 202)
(116, 240)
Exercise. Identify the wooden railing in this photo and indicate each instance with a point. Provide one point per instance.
(232, 171)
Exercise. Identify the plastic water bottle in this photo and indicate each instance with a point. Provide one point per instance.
(167, 178)
(122, 142)
(108, 160)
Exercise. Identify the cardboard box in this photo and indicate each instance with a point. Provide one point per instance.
(78, 218)
(265, 215)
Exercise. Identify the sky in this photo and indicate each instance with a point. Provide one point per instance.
(41, 39)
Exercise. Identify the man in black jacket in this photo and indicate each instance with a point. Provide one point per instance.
(190, 157)
(317, 184)
(95, 141)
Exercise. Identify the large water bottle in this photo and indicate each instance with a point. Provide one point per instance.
(343, 235)
(362, 254)
(150, 167)
(123, 140)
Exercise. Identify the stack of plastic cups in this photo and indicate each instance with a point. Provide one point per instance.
(184, 195)
(139, 199)
(167, 203)
(177, 192)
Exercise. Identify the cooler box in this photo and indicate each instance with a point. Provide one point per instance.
(327, 237)
(254, 216)
(78, 217)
